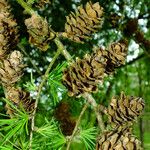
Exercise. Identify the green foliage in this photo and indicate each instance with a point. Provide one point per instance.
(55, 84)
(14, 127)
(49, 136)
(88, 137)
(30, 86)
(48, 129)
(5, 148)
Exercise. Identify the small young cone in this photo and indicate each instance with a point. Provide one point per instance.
(8, 30)
(62, 114)
(19, 98)
(85, 21)
(131, 27)
(39, 32)
(11, 69)
(124, 110)
(120, 139)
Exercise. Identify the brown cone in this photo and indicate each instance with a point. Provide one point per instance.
(19, 98)
(85, 21)
(84, 75)
(39, 32)
(124, 109)
(116, 56)
(11, 69)
(120, 139)
(8, 30)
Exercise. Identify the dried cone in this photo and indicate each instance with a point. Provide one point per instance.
(84, 75)
(124, 109)
(39, 32)
(85, 21)
(8, 30)
(120, 139)
(116, 56)
(19, 98)
(11, 69)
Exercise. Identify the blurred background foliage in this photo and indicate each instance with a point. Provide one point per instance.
(133, 77)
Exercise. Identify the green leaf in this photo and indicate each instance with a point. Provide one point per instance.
(12, 132)
(47, 130)
(6, 148)
(50, 136)
(30, 85)
(54, 82)
(88, 137)
(59, 141)
(14, 126)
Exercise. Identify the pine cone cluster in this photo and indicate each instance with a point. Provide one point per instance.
(85, 21)
(11, 65)
(19, 98)
(39, 32)
(124, 109)
(8, 30)
(11, 69)
(84, 75)
(62, 114)
(119, 139)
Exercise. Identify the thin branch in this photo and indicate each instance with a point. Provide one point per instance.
(59, 51)
(67, 55)
(91, 101)
(27, 8)
(21, 47)
(77, 125)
